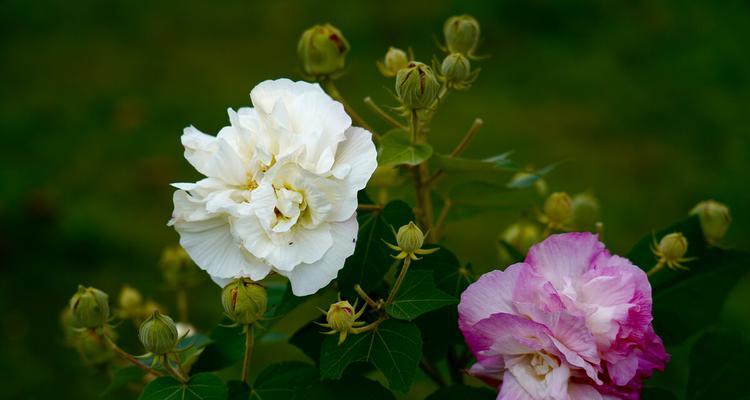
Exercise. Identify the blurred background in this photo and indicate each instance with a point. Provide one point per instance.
(647, 101)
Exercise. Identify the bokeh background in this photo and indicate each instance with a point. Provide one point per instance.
(649, 103)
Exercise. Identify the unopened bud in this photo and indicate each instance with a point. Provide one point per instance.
(461, 34)
(322, 50)
(715, 219)
(158, 334)
(89, 308)
(244, 301)
(558, 208)
(130, 300)
(585, 211)
(409, 238)
(522, 235)
(178, 269)
(417, 86)
(395, 59)
(673, 247)
(341, 316)
(456, 70)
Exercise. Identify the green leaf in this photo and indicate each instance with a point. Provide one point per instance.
(372, 258)
(718, 367)
(396, 149)
(354, 387)
(281, 300)
(462, 392)
(394, 348)
(227, 348)
(123, 377)
(200, 387)
(309, 339)
(496, 163)
(450, 277)
(686, 302)
(284, 381)
(418, 295)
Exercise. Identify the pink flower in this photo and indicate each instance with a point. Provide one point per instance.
(571, 322)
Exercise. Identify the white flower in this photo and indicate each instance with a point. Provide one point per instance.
(280, 192)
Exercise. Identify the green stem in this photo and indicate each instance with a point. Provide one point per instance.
(658, 267)
(248, 353)
(365, 297)
(420, 174)
(128, 357)
(176, 374)
(399, 280)
(331, 88)
(382, 114)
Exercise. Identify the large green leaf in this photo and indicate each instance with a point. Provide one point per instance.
(124, 376)
(204, 386)
(284, 381)
(352, 387)
(372, 258)
(418, 295)
(718, 367)
(462, 392)
(686, 302)
(394, 348)
(450, 276)
(281, 300)
(396, 149)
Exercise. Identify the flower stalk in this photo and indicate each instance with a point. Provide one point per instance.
(382, 114)
(128, 357)
(249, 341)
(399, 280)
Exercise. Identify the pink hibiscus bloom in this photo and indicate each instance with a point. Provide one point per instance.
(571, 322)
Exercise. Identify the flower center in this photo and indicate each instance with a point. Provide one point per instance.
(290, 204)
(543, 363)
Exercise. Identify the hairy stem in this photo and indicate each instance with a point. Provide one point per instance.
(248, 353)
(382, 114)
(331, 88)
(128, 357)
(399, 280)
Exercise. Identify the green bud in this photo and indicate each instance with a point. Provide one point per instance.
(673, 247)
(417, 86)
(715, 219)
(395, 59)
(340, 316)
(558, 208)
(456, 69)
(89, 308)
(178, 269)
(158, 334)
(322, 50)
(409, 238)
(130, 300)
(522, 235)
(585, 211)
(461, 34)
(244, 301)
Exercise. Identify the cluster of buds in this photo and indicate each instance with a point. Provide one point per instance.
(244, 301)
(341, 318)
(714, 218)
(671, 250)
(558, 209)
(322, 51)
(409, 241)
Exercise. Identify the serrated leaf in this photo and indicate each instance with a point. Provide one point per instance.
(718, 367)
(204, 386)
(394, 348)
(396, 149)
(686, 302)
(418, 295)
(123, 377)
(372, 258)
(355, 387)
(462, 392)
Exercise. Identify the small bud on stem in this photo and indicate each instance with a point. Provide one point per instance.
(244, 301)
(322, 51)
(89, 308)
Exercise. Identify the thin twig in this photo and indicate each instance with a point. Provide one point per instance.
(369, 207)
(435, 232)
(382, 114)
(128, 357)
(462, 145)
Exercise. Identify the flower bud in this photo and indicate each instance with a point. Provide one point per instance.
(558, 208)
(417, 86)
(395, 59)
(158, 334)
(522, 235)
(456, 69)
(673, 247)
(130, 300)
(461, 34)
(585, 211)
(409, 238)
(341, 316)
(244, 301)
(540, 185)
(322, 50)
(178, 269)
(89, 308)
(715, 219)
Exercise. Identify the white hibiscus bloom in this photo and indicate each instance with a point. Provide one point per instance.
(280, 192)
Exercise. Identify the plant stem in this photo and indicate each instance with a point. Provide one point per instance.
(128, 357)
(368, 327)
(382, 114)
(420, 173)
(182, 304)
(365, 297)
(431, 372)
(462, 145)
(248, 353)
(330, 87)
(369, 207)
(658, 267)
(435, 232)
(399, 280)
(175, 373)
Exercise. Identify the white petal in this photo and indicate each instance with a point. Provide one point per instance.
(307, 279)
(359, 153)
(300, 245)
(199, 148)
(267, 93)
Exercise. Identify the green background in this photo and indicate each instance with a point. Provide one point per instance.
(646, 101)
